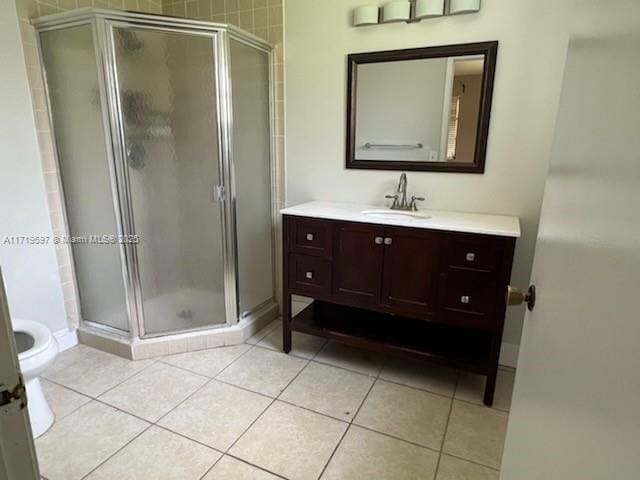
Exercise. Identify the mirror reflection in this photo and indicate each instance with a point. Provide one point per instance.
(423, 110)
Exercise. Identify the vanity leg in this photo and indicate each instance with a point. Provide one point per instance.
(490, 388)
(286, 323)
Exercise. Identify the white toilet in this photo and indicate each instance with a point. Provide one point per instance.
(37, 348)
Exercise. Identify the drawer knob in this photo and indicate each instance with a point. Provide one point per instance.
(309, 275)
(310, 236)
(471, 257)
(464, 299)
(388, 241)
(378, 240)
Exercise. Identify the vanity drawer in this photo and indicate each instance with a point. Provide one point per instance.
(311, 275)
(471, 253)
(467, 298)
(309, 236)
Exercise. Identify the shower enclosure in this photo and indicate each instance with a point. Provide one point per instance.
(162, 129)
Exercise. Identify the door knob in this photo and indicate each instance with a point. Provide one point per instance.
(515, 296)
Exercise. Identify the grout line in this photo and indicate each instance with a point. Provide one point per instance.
(348, 422)
(154, 362)
(424, 390)
(256, 466)
(347, 429)
(446, 426)
(117, 451)
(404, 440)
(167, 429)
(212, 466)
(102, 402)
(202, 374)
(273, 324)
(279, 350)
(474, 462)
(235, 360)
(184, 400)
(249, 427)
(482, 405)
(335, 449)
(371, 375)
(267, 408)
(244, 388)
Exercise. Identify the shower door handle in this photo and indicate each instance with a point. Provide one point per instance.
(218, 193)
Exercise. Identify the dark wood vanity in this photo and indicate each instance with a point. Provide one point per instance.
(426, 293)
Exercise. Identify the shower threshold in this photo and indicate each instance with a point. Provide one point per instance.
(107, 340)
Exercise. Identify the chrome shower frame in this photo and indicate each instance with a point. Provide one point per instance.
(103, 22)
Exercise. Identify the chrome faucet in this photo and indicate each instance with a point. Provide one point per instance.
(400, 198)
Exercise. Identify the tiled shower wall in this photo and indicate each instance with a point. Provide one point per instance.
(261, 17)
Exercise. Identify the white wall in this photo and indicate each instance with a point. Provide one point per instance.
(30, 272)
(533, 39)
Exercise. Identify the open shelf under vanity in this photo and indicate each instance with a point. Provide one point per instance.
(447, 345)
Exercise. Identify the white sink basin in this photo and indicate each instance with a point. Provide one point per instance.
(395, 215)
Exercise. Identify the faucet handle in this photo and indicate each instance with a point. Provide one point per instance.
(413, 204)
(395, 200)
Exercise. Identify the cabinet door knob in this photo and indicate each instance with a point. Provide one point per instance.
(309, 274)
(464, 299)
(471, 257)
(378, 240)
(310, 236)
(388, 241)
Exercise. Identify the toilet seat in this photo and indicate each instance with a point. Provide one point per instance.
(42, 337)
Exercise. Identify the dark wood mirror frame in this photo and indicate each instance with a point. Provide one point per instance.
(488, 49)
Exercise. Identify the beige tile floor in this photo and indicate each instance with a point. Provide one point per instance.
(326, 411)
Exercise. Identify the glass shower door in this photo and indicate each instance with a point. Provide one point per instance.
(69, 58)
(167, 89)
(249, 71)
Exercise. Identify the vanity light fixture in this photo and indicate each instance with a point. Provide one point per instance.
(366, 15)
(398, 11)
(428, 9)
(463, 6)
(411, 11)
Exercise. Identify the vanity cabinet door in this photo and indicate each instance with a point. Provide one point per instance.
(409, 270)
(357, 263)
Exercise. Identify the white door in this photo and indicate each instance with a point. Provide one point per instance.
(576, 405)
(17, 452)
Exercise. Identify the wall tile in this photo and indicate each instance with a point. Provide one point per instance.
(233, 18)
(231, 5)
(205, 9)
(275, 15)
(192, 9)
(246, 20)
(261, 17)
(67, 4)
(26, 8)
(218, 7)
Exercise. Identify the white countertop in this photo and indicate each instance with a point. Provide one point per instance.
(430, 219)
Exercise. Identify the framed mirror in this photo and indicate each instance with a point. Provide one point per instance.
(421, 109)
